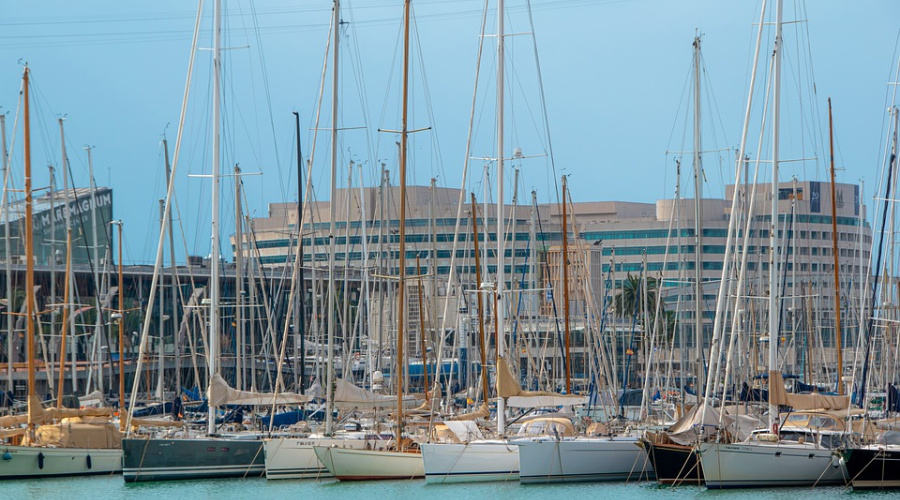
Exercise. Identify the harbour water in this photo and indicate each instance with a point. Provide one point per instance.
(259, 489)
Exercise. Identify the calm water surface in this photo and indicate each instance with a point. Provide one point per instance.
(102, 488)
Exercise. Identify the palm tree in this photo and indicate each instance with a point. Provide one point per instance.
(630, 301)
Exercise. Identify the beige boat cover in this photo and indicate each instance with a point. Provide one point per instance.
(779, 395)
(13, 420)
(508, 387)
(347, 395)
(220, 393)
(74, 433)
(698, 424)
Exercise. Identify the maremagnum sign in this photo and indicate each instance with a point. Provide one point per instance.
(49, 229)
(76, 209)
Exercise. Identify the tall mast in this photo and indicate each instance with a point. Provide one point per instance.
(482, 344)
(837, 275)
(33, 402)
(68, 217)
(176, 344)
(565, 284)
(501, 236)
(160, 355)
(65, 319)
(774, 293)
(239, 281)
(9, 322)
(698, 225)
(300, 313)
(329, 374)
(98, 318)
(121, 283)
(401, 289)
(213, 354)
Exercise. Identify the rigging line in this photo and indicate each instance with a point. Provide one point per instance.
(145, 333)
(268, 94)
(685, 88)
(387, 89)
(428, 106)
(360, 84)
(462, 190)
(537, 61)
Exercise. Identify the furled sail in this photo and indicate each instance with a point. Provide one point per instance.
(220, 393)
(508, 387)
(803, 401)
(347, 395)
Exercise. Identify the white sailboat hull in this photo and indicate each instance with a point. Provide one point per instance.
(478, 461)
(294, 458)
(747, 465)
(358, 465)
(582, 459)
(25, 461)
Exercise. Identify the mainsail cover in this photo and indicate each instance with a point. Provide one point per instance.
(508, 387)
(698, 424)
(347, 395)
(803, 401)
(220, 393)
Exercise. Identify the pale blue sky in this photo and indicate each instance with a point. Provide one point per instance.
(614, 75)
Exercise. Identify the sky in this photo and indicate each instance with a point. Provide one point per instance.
(608, 95)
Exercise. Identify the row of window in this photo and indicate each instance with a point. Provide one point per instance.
(449, 221)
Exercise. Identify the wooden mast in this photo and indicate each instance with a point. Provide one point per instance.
(481, 342)
(837, 275)
(34, 407)
(401, 287)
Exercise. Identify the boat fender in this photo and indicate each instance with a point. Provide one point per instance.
(41, 460)
(7, 456)
(88, 460)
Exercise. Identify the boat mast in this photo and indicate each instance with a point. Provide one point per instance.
(300, 314)
(98, 318)
(238, 281)
(698, 226)
(9, 322)
(176, 344)
(121, 311)
(65, 320)
(160, 355)
(330, 315)
(482, 344)
(212, 355)
(565, 284)
(401, 287)
(501, 239)
(34, 405)
(774, 295)
(837, 276)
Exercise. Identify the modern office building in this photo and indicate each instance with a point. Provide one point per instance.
(614, 240)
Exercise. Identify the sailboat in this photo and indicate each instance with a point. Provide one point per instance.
(57, 441)
(481, 460)
(782, 454)
(211, 455)
(404, 459)
(671, 451)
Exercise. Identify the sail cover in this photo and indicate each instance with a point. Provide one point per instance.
(220, 393)
(347, 395)
(803, 401)
(508, 387)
